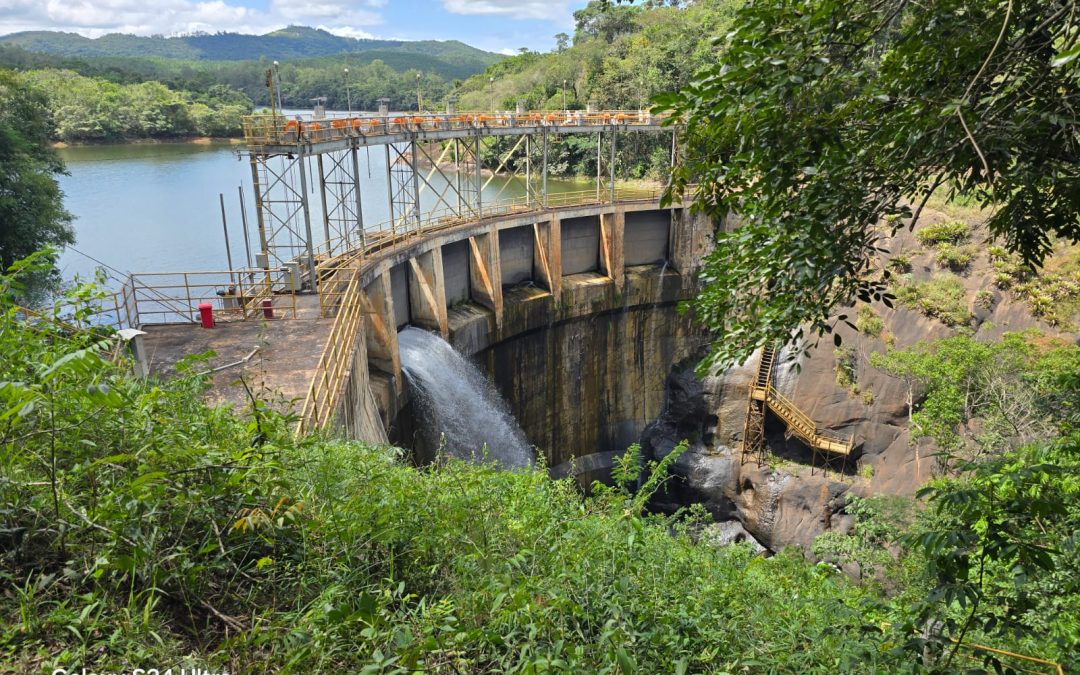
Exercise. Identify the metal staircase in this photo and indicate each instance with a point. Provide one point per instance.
(763, 396)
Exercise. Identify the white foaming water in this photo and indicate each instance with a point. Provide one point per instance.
(454, 399)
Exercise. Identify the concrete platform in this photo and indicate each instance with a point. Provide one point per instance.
(282, 369)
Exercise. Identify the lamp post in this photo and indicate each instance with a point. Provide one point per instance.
(348, 94)
(277, 71)
(419, 95)
(564, 83)
(491, 93)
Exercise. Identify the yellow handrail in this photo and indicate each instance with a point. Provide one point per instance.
(277, 129)
(335, 361)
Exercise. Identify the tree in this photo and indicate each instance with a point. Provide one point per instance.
(1006, 386)
(562, 42)
(825, 118)
(32, 214)
(601, 19)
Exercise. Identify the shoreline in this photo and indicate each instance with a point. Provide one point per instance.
(185, 140)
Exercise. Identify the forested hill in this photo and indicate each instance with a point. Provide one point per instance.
(288, 43)
(619, 56)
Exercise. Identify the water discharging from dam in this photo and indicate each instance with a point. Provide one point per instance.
(457, 401)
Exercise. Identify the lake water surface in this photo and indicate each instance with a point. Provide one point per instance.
(154, 207)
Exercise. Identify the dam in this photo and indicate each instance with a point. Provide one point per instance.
(567, 300)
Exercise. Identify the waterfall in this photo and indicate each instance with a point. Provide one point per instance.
(454, 399)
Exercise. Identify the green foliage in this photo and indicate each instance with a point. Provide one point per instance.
(823, 119)
(956, 258)
(388, 72)
(900, 263)
(1008, 386)
(141, 526)
(847, 376)
(1052, 293)
(96, 109)
(879, 521)
(32, 213)
(950, 232)
(293, 42)
(621, 56)
(868, 322)
(984, 299)
(1001, 549)
(942, 297)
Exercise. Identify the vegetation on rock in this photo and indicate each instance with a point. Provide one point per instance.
(942, 297)
(823, 119)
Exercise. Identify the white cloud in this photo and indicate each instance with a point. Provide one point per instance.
(554, 10)
(94, 18)
(347, 31)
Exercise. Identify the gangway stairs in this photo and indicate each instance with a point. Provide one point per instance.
(764, 396)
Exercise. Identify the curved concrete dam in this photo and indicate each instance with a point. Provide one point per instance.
(572, 312)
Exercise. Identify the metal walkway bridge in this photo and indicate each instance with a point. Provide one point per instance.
(435, 167)
(764, 396)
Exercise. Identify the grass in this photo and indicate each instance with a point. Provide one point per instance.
(984, 299)
(1052, 293)
(958, 208)
(846, 368)
(868, 322)
(955, 258)
(950, 232)
(942, 297)
(900, 263)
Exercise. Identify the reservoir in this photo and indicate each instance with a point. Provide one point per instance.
(154, 207)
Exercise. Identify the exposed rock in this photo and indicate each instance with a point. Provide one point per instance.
(794, 500)
(730, 532)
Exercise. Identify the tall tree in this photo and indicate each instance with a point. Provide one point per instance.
(825, 118)
(32, 213)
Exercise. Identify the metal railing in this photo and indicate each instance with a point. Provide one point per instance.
(174, 297)
(278, 129)
(332, 255)
(335, 362)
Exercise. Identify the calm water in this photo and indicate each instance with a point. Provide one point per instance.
(154, 207)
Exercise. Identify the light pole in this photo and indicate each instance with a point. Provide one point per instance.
(419, 95)
(491, 93)
(348, 94)
(277, 71)
(564, 83)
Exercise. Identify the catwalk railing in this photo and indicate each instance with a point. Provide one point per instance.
(276, 129)
(331, 255)
(336, 359)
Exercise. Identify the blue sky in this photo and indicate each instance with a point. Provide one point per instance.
(495, 25)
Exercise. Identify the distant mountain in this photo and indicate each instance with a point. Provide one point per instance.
(288, 43)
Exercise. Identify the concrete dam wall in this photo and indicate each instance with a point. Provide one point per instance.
(572, 312)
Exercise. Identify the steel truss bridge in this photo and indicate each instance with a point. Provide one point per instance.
(435, 170)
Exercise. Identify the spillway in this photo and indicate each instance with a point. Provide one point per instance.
(459, 409)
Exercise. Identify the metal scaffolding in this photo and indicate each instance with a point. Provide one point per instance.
(309, 182)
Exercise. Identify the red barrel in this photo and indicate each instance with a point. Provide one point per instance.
(268, 308)
(206, 314)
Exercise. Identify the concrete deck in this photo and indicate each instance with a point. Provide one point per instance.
(282, 369)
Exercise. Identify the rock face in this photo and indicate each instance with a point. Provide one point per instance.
(792, 496)
(779, 506)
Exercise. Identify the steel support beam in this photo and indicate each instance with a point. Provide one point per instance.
(312, 279)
